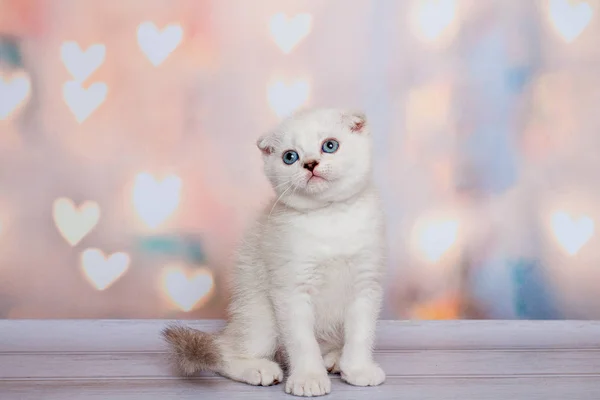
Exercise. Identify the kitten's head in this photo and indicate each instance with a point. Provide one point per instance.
(317, 157)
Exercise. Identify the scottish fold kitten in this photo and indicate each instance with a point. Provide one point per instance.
(307, 279)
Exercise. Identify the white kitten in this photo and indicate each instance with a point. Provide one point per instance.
(307, 280)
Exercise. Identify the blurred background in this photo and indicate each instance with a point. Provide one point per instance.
(128, 167)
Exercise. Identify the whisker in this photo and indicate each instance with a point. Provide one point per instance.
(281, 184)
(293, 179)
(279, 198)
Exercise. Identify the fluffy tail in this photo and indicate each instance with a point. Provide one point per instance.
(192, 350)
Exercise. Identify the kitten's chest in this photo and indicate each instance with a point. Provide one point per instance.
(333, 290)
(334, 236)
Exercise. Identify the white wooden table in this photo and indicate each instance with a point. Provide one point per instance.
(479, 360)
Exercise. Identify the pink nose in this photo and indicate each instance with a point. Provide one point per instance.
(310, 165)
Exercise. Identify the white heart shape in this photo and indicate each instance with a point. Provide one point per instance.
(75, 223)
(433, 17)
(83, 102)
(435, 238)
(569, 19)
(186, 289)
(572, 234)
(102, 271)
(13, 94)
(288, 32)
(81, 64)
(155, 201)
(157, 45)
(284, 98)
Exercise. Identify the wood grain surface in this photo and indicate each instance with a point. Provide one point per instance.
(125, 359)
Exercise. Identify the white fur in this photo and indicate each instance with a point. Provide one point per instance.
(309, 270)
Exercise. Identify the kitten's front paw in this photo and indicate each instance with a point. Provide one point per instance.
(308, 384)
(369, 374)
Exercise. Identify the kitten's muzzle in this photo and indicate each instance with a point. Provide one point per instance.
(311, 165)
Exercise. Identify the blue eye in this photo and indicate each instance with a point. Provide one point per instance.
(290, 157)
(330, 146)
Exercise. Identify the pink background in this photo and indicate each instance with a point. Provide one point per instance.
(485, 116)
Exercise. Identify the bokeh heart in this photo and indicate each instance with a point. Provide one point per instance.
(157, 44)
(435, 237)
(74, 223)
(155, 200)
(569, 18)
(102, 271)
(285, 98)
(572, 233)
(432, 18)
(187, 288)
(288, 32)
(14, 92)
(83, 102)
(81, 64)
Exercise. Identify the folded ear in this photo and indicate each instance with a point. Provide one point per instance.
(266, 144)
(356, 121)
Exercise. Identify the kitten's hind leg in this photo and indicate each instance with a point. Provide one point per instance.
(332, 361)
(331, 349)
(249, 343)
(254, 371)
